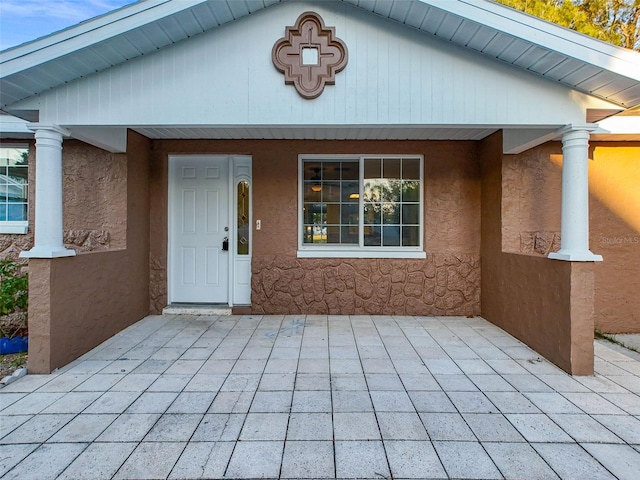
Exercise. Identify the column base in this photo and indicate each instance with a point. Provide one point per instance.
(47, 252)
(575, 256)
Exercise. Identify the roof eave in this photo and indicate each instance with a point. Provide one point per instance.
(611, 73)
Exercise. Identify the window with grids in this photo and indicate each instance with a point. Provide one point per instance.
(14, 180)
(367, 202)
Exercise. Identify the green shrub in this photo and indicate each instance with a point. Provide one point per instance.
(14, 288)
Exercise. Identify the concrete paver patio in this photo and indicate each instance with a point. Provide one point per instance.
(187, 397)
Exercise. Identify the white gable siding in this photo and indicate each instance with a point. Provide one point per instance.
(394, 76)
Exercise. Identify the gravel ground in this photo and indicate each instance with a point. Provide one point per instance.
(11, 362)
(12, 325)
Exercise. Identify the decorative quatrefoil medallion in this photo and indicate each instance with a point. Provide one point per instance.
(309, 55)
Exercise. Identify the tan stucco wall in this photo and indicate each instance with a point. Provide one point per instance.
(532, 190)
(448, 280)
(614, 182)
(95, 197)
(78, 302)
(545, 303)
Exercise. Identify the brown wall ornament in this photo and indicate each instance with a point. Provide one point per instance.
(310, 55)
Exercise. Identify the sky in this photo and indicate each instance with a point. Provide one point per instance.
(25, 20)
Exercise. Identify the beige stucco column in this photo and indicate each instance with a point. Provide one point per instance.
(574, 228)
(48, 241)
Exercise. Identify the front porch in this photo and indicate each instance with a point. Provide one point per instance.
(80, 301)
(408, 169)
(321, 396)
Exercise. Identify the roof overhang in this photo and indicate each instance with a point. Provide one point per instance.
(492, 30)
(14, 128)
(515, 140)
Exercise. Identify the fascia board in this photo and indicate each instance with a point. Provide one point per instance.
(547, 35)
(99, 29)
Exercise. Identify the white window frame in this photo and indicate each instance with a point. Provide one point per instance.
(356, 251)
(12, 226)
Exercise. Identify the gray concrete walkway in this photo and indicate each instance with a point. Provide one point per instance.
(321, 397)
(629, 340)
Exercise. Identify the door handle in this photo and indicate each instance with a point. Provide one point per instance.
(225, 244)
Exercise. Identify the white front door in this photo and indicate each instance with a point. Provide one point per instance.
(199, 221)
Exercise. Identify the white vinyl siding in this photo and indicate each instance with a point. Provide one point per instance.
(395, 76)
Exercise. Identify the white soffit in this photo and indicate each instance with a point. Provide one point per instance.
(517, 140)
(317, 132)
(492, 30)
(112, 139)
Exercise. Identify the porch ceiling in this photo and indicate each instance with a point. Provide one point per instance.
(318, 133)
(491, 30)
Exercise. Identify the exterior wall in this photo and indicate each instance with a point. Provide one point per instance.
(11, 245)
(443, 284)
(531, 221)
(614, 180)
(63, 297)
(531, 194)
(78, 302)
(545, 303)
(447, 282)
(95, 195)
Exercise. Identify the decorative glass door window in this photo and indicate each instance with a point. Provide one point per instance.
(243, 218)
(367, 202)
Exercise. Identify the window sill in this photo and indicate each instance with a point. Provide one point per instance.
(359, 253)
(15, 228)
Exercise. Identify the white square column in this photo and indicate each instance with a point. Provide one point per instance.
(574, 229)
(48, 241)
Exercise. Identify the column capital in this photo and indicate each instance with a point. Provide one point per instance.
(50, 127)
(577, 127)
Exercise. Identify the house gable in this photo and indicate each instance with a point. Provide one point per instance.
(419, 69)
(489, 29)
(395, 76)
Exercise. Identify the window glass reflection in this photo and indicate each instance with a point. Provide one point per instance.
(380, 209)
(14, 180)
